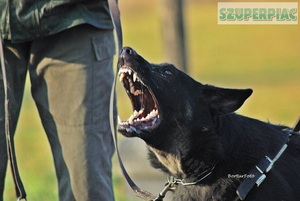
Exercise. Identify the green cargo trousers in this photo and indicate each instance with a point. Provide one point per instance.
(71, 77)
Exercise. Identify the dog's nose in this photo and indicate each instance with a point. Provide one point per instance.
(127, 52)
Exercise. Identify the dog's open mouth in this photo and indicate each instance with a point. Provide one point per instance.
(145, 115)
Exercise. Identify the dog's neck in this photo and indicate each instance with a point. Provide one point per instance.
(169, 163)
(229, 137)
(248, 140)
(232, 142)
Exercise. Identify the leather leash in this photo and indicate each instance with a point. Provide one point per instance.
(115, 14)
(11, 154)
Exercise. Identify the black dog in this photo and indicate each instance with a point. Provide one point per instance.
(194, 136)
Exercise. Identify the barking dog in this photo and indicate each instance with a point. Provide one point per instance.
(194, 135)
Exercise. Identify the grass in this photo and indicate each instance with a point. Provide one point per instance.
(262, 57)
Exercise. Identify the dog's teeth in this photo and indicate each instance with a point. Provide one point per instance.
(141, 110)
(123, 70)
(148, 116)
(129, 71)
(135, 113)
(130, 120)
(119, 120)
(120, 71)
(138, 92)
(134, 77)
(122, 75)
(132, 89)
(152, 113)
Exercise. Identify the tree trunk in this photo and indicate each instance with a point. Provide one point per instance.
(171, 13)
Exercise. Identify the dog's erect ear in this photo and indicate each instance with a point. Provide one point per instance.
(223, 101)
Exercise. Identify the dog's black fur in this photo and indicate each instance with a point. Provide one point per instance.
(197, 129)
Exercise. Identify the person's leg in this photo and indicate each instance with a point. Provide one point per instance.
(16, 61)
(71, 77)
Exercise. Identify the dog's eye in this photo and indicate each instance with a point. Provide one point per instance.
(168, 71)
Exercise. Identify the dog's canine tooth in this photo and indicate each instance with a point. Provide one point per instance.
(119, 120)
(135, 113)
(120, 71)
(134, 77)
(122, 75)
(141, 110)
(130, 120)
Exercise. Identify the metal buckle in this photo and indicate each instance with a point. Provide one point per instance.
(260, 179)
(271, 164)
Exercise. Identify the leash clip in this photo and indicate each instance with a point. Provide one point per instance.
(169, 185)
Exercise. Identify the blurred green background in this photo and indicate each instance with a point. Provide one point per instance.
(265, 58)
